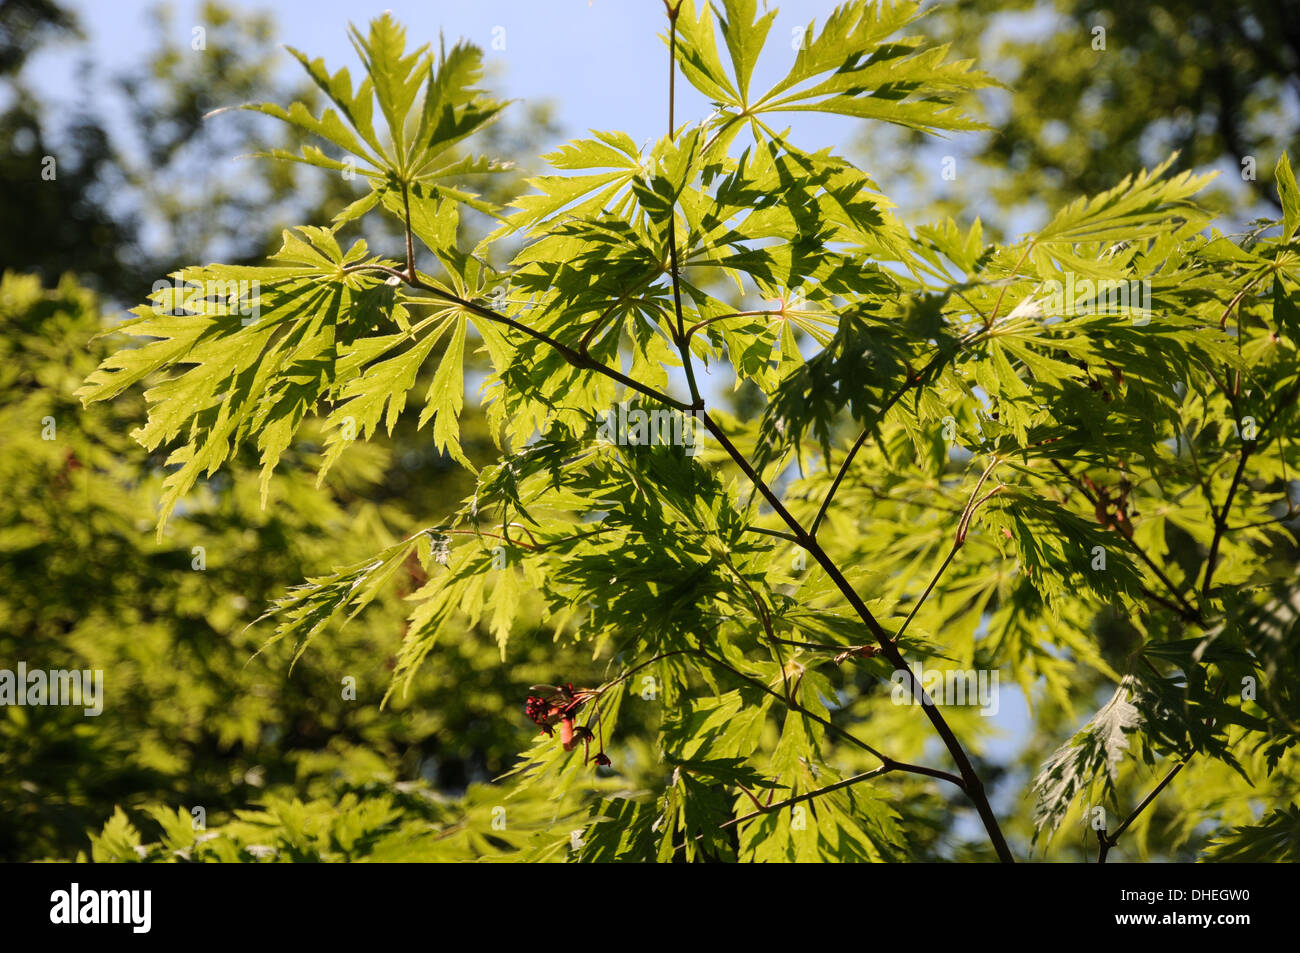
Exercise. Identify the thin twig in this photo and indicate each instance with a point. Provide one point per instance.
(779, 534)
(912, 381)
(971, 782)
(959, 539)
(765, 619)
(1184, 608)
(636, 668)
(1221, 521)
(1107, 841)
(683, 344)
(570, 355)
(806, 796)
(410, 242)
(698, 325)
(997, 305)
(834, 728)
(585, 343)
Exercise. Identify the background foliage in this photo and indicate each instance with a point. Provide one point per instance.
(499, 546)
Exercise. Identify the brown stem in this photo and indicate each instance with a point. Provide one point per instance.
(997, 305)
(971, 782)
(683, 343)
(912, 381)
(1184, 608)
(1221, 521)
(806, 796)
(765, 619)
(834, 728)
(698, 325)
(958, 541)
(1107, 841)
(636, 668)
(568, 353)
(600, 321)
(410, 242)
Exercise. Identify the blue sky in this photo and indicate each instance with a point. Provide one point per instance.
(601, 61)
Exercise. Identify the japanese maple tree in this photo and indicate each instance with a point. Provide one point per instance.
(936, 458)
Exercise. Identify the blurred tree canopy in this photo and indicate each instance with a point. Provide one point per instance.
(1094, 90)
(194, 719)
(281, 755)
(197, 720)
(130, 202)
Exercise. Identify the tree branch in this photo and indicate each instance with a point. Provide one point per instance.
(1221, 522)
(914, 380)
(807, 796)
(1107, 841)
(568, 353)
(835, 729)
(1184, 608)
(683, 342)
(765, 619)
(971, 782)
(698, 325)
(959, 540)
